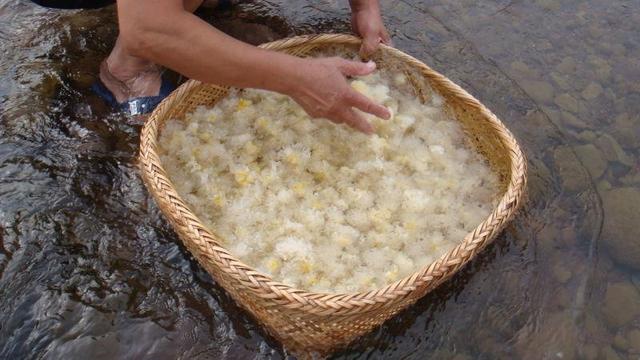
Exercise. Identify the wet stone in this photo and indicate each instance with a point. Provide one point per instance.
(462, 357)
(620, 232)
(539, 91)
(549, 4)
(568, 236)
(563, 81)
(612, 150)
(620, 342)
(523, 70)
(595, 31)
(603, 71)
(570, 170)
(633, 340)
(567, 65)
(635, 280)
(632, 179)
(561, 273)
(592, 91)
(609, 354)
(561, 299)
(587, 136)
(625, 130)
(618, 50)
(590, 352)
(567, 102)
(546, 240)
(603, 185)
(593, 326)
(621, 304)
(573, 121)
(592, 159)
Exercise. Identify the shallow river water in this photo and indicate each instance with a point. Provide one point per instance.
(90, 269)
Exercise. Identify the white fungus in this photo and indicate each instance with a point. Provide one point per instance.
(323, 207)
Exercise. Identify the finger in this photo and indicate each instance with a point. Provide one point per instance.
(369, 46)
(365, 104)
(356, 68)
(355, 120)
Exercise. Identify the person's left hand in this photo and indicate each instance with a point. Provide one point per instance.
(367, 22)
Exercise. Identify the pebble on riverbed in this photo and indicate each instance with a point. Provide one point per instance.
(592, 91)
(621, 304)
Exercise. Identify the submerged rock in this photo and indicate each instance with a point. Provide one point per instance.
(612, 150)
(609, 354)
(621, 304)
(626, 130)
(603, 185)
(567, 65)
(561, 273)
(540, 91)
(631, 179)
(523, 70)
(633, 339)
(620, 342)
(587, 136)
(570, 170)
(592, 91)
(620, 233)
(574, 121)
(592, 159)
(567, 102)
(590, 352)
(563, 81)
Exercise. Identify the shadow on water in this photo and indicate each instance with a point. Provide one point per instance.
(89, 268)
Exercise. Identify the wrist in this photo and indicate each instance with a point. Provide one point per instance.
(287, 73)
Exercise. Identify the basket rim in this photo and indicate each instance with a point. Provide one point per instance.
(263, 285)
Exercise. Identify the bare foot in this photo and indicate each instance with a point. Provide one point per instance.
(129, 77)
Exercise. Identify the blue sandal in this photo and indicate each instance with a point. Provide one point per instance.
(137, 106)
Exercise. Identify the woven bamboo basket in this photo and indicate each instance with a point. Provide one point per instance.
(317, 323)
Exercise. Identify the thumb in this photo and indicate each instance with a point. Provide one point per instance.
(356, 68)
(369, 46)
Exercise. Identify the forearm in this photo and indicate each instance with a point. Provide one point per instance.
(181, 41)
(357, 5)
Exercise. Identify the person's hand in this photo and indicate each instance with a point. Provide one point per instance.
(323, 92)
(367, 22)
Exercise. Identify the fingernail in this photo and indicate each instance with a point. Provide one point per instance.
(370, 64)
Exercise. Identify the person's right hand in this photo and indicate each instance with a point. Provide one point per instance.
(323, 92)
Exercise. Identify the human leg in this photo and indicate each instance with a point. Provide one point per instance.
(130, 77)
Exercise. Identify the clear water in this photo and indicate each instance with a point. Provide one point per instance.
(90, 269)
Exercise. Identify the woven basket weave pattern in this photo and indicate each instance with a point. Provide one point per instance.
(315, 322)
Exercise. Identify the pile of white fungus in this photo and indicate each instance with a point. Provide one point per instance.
(321, 206)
